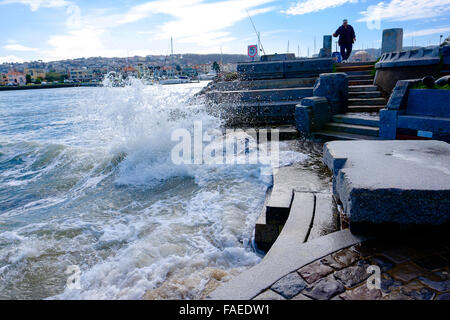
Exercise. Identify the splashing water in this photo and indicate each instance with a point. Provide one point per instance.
(86, 179)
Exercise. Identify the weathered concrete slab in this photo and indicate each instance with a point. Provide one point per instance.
(392, 40)
(325, 218)
(287, 255)
(404, 182)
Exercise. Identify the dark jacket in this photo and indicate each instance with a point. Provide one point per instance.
(346, 35)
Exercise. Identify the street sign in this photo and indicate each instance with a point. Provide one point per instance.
(252, 51)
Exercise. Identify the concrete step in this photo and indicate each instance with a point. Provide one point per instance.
(262, 84)
(365, 108)
(352, 77)
(362, 88)
(355, 64)
(260, 95)
(365, 95)
(328, 135)
(360, 82)
(359, 73)
(352, 128)
(366, 102)
(357, 119)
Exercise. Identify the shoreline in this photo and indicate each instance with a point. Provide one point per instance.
(49, 86)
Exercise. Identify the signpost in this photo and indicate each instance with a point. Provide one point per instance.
(252, 51)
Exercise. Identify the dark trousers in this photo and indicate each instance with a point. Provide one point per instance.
(346, 50)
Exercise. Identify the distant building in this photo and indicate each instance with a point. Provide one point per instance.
(81, 75)
(361, 56)
(3, 79)
(16, 78)
(35, 74)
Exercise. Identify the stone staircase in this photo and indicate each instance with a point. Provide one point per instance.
(365, 101)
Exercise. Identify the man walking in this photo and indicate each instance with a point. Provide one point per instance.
(347, 37)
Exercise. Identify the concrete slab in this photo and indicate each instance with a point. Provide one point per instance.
(403, 182)
(286, 256)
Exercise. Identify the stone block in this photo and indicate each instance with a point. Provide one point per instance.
(406, 272)
(289, 286)
(333, 87)
(314, 271)
(324, 289)
(361, 293)
(446, 56)
(346, 257)
(353, 275)
(441, 286)
(402, 182)
(429, 102)
(269, 295)
(388, 124)
(392, 40)
(312, 114)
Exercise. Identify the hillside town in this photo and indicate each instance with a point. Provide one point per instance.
(93, 70)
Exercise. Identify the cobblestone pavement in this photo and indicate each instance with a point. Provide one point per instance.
(411, 268)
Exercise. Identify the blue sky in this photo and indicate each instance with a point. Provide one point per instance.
(61, 29)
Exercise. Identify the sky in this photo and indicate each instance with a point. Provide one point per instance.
(51, 30)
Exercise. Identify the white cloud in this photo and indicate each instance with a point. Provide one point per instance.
(427, 32)
(196, 21)
(403, 10)
(308, 6)
(9, 59)
(18, 47)
(36, 4)
(84, 42)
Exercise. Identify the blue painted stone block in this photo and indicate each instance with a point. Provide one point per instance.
(334, 87)
(446, 56)
(312, 114)
(388, 124)
(429, 102)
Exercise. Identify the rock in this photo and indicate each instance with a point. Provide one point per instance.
(324, 289)
(445, 296)
(362, 293)
(406, 272)
(346, 257)
(428, 81)
(388, 283)
(351, 276)
(314, 271)
(443, 81)
(441, 286)
(395, 295)
(329, 261)
(383, 263)
(289, 286)
(433, 262)
(301, 297)
(269, 295)
(417, 291)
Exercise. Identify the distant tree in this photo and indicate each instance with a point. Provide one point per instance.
(216, 67)
(28, 78)
(53, 76)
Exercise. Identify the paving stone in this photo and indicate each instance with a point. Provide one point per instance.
(384, 263)
(269, 295)
(290, 285)
(399, 254)
(361, 293)
(395, 295)
(406, 272)
(388, 283)
(301, 297)
(324, 289)
(346, 257)
(353, 275)
(441, 286)
(432, 262)
(314, 271)
(329, 261)
(365, 249)
(417, 291)
(445, 296)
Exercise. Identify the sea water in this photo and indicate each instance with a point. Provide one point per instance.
(86, 180)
